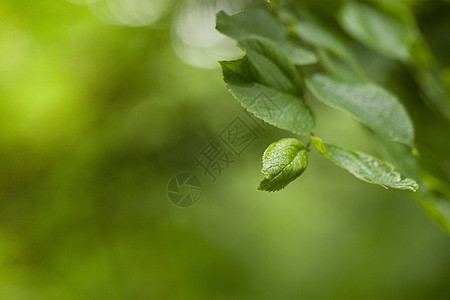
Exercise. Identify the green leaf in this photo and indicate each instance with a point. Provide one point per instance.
(258, 21)
(401, 156)
(368, 103)
(282, 110)
(319, 145)
(379, 31)
(299, 55)
(273, 67)
(261, 22)
(283, 161)
(238, 72)
(339, 68)
(320, 36)
(364, 166)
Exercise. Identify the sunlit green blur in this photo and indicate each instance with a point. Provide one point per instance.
(102, 102)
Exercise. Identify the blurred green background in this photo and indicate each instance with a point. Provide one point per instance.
(102, 102)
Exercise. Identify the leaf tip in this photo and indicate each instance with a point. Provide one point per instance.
(266, 186)
(415, 187)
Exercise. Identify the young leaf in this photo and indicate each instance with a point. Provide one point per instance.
(279, 109)
(283, 161)
(368, 103)
(261, 22)
(377, 30)
(364, 166)
(273, 67)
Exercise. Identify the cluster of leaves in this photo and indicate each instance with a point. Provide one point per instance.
(289, 52)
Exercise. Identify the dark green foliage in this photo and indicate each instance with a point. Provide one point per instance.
(333, 73)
